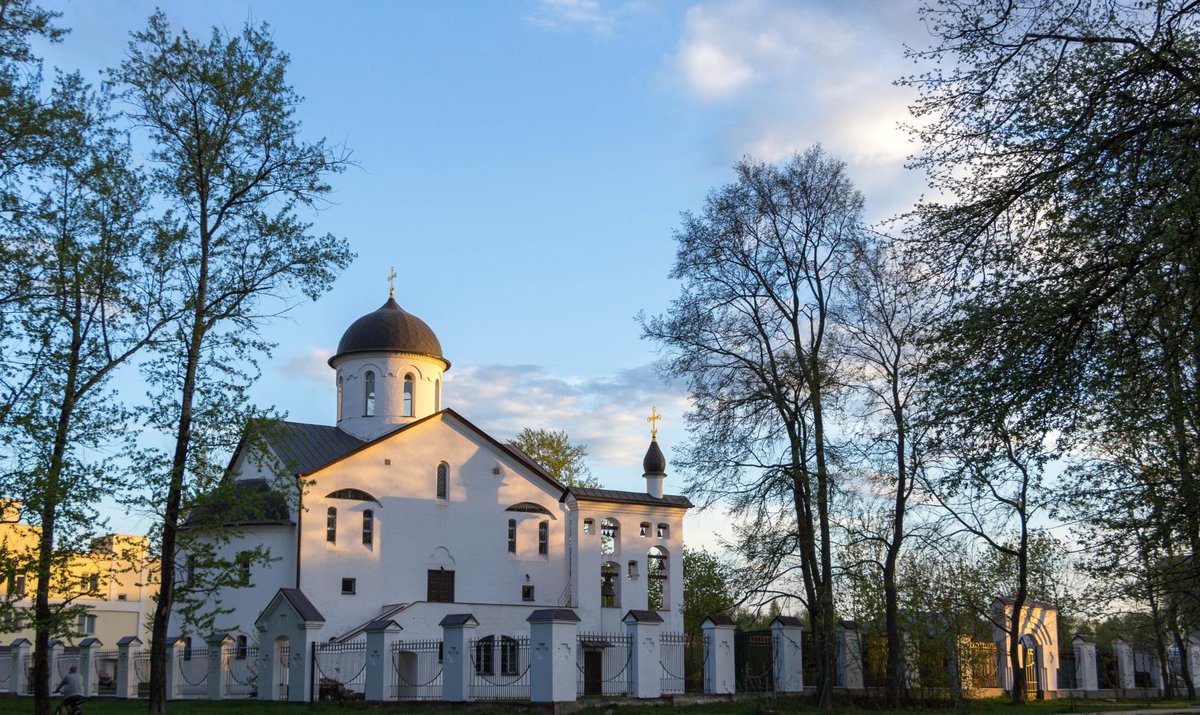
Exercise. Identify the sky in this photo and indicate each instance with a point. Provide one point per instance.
(523, 165)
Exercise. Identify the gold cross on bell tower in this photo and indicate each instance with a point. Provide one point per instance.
(392, 283)
(653, 420)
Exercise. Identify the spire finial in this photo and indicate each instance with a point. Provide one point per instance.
(653, 420)
(392, 283)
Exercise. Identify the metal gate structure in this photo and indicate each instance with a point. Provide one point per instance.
(5, 668)
(283, 674)
(603, 661)
(104, 673)
(417, 670)
(672, 656)
(339, 670)
(1031, 679)
(754, 662)
(141, 668)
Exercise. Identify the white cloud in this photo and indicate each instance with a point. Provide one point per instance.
(562, 15)
(310, 364)
(793, 75)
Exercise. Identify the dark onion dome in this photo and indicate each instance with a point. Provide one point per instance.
(391, 329)
(654, 462)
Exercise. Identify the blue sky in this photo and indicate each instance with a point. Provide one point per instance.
(523, 165)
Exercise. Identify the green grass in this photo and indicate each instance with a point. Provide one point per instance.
(782, 706)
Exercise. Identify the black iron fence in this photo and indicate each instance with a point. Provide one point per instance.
(193, 674)
(417, 670)
(103, 673)
(754, 662)
(6, 679)
(672, 656)
(141, 669)
(499, 668)
(241, 671)
(339, 670)
(1068, 670)
(603, 661)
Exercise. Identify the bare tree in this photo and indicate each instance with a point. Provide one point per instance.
(762, 267)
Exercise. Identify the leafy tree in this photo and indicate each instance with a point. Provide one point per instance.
(93, 271)
(708, 587)
(230, 164)
(1065, 140)
(762, 268)
(552, 449)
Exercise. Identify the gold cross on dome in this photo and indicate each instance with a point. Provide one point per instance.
(653, 420)
(392, 283)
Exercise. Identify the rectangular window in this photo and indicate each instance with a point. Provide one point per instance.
(664, 531)
(441, 586)
(588, 526)
(509, 656)
(243, 564)
(527, 593)
(544, 538)
(331, 525)
(86, 624)
(242, 648)
(512, 536)
(349, 586)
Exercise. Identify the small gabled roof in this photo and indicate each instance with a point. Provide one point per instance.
(295, 598)
(459, 619)
(1083, 638)
(718, 619)
(622, 497)
(129, 640)
(636, 616)
(553, 614)
(90, 643)
(787, 621)
(382, 624)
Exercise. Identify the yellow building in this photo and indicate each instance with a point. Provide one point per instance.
(112, 581)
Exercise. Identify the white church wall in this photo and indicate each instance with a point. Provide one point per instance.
(246, 602)
(414, 531)
(629, 546)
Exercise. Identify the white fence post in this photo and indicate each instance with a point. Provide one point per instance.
(849, 656)
(218, 664)
(1124, 653)
(553, 646)
(789, 666)
(127, 677)
(1086, 676)
(456, 656)
(175, 648)
(87, 668)
(19, 650)
(380, 637)
(643, 628)
(719, 666)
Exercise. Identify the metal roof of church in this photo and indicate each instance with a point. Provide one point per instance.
(390, 329)
(305, 448)
(614, 495)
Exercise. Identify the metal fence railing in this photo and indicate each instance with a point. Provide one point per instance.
(103, 673)
(283, 671)
(979, 665)
(672, 652)
(603, 661)
(499, 668)
(141, 669)
(417, 670)
(193, 673)
(339, 671)
(5, 669)
(241, 671)
(754, 661)
(29, 674)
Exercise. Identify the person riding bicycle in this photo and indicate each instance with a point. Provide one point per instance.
(72, 690)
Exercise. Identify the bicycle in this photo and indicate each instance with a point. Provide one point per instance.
(71, 705)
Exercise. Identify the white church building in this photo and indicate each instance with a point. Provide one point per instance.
(404, 510)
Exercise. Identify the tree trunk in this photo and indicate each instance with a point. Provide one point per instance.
(895, 648)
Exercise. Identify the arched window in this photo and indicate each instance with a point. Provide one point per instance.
(484, 663)
(644, 529)
(657, 593)
(408, 395)
(331, 525)
(368, 527)
(437, 395)
(443, 477)
(512, 536)
(369, 392)
(610, 531)
(543, 537)
(664, 531)
(610, 578)
(339, 398)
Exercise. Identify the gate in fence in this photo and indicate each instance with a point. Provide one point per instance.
(193, 673)
(1107, 670)
(28, 674)
(283, 671)
(239, 663)
(979, 665)
(603, 661)
(339, 671)
(500, 668)
(1068, 677)
(754, 662)
(417, 670)
(141, 666)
